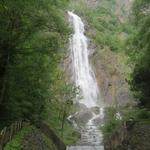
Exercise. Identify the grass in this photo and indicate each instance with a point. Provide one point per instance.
(16, 142)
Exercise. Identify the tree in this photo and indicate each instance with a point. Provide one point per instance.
(31, 36)
(140, 82)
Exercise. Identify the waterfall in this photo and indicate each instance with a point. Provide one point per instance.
(84, 78)
(83, 74)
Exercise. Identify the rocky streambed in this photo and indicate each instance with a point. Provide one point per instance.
(88, 122)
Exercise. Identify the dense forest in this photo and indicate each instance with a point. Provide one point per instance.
(140, 46)
(34, 37)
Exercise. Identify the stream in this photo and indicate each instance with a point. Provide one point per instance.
(84, 77)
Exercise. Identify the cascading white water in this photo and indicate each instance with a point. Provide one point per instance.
(83, 75)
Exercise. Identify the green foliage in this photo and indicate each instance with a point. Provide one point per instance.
(140, 9)
(54, 117)
(136, 114)
(140, 84)
(112, 123)
(59, 108)
(140, 46)
(32, 37)
(111, 127)
(16, 142)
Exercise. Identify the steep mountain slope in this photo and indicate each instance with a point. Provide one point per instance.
(107, 31)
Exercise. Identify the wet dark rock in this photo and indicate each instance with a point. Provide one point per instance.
(95, 110)
(82, 117)
(98, 121)
(80, 106)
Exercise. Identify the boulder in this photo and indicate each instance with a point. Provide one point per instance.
(82, 117)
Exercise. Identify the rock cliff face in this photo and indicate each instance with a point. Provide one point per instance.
(111, 74)
(90, 3)
(111, 67)
(121, 7)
